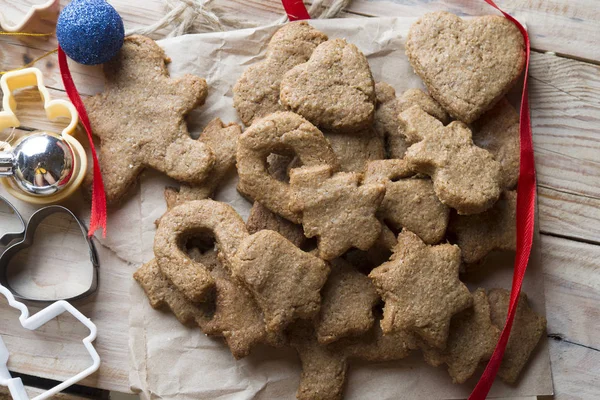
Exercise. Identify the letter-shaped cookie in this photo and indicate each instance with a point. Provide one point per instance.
(334, 89)
(465, 177)
(336, 208)
(279, 133)
(421, 289)
(140, 119)
(190, 277)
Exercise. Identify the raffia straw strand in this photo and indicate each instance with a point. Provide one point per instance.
(195, 16)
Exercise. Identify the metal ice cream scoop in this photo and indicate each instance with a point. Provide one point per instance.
(41, 164)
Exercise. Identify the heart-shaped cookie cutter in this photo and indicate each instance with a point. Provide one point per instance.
(32, 77)
(17, 241)
(15, 385)
(40, 18)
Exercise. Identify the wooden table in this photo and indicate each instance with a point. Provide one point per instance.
(565, 103)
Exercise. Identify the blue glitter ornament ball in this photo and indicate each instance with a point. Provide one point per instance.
(90, 31)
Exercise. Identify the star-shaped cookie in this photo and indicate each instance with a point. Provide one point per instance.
(421, 289)
(140, 119)
(336, 208)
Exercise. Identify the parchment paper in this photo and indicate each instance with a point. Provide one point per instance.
(170, 361)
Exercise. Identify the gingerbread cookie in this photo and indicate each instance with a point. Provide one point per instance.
(387, 121)
(334, 89)
(495, 229)
(222, 139)
(338, 209)
(354, 150)
(285, 281)
(409, 202)
(421, 289)
(467, 66)
(528, 328)
(323, 369)
(472, 340)
(279, 133)
(256, 93)
(191, 278)
(261, 218)
(497, 131)
(347, 305)
(140, 119)
(448, 155)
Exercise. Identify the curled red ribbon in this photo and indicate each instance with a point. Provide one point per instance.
(526, 195)
(98, 215)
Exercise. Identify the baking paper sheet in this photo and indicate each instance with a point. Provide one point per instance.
(170, 361)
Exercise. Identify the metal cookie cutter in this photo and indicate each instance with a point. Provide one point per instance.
(17, 241)
(74, 174)
(40, 18)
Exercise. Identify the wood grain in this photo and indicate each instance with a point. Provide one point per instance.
(553, 24)
(565, 100)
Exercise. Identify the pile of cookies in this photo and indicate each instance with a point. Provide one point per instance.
(367, 206)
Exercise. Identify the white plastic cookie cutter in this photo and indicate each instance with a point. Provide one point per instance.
(32, 77)
(40, 18)
(15, 385)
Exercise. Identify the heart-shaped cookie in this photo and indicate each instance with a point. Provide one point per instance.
(334, 89)
(467, 66)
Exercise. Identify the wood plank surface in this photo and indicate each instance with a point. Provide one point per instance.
(565, 100)
(572, 286)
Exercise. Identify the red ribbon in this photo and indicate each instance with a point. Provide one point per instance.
(98, 217)
(295, 9)
(526, 193)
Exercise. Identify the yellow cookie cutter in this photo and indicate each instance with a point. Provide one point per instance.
(54, 109)
(40, 18)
